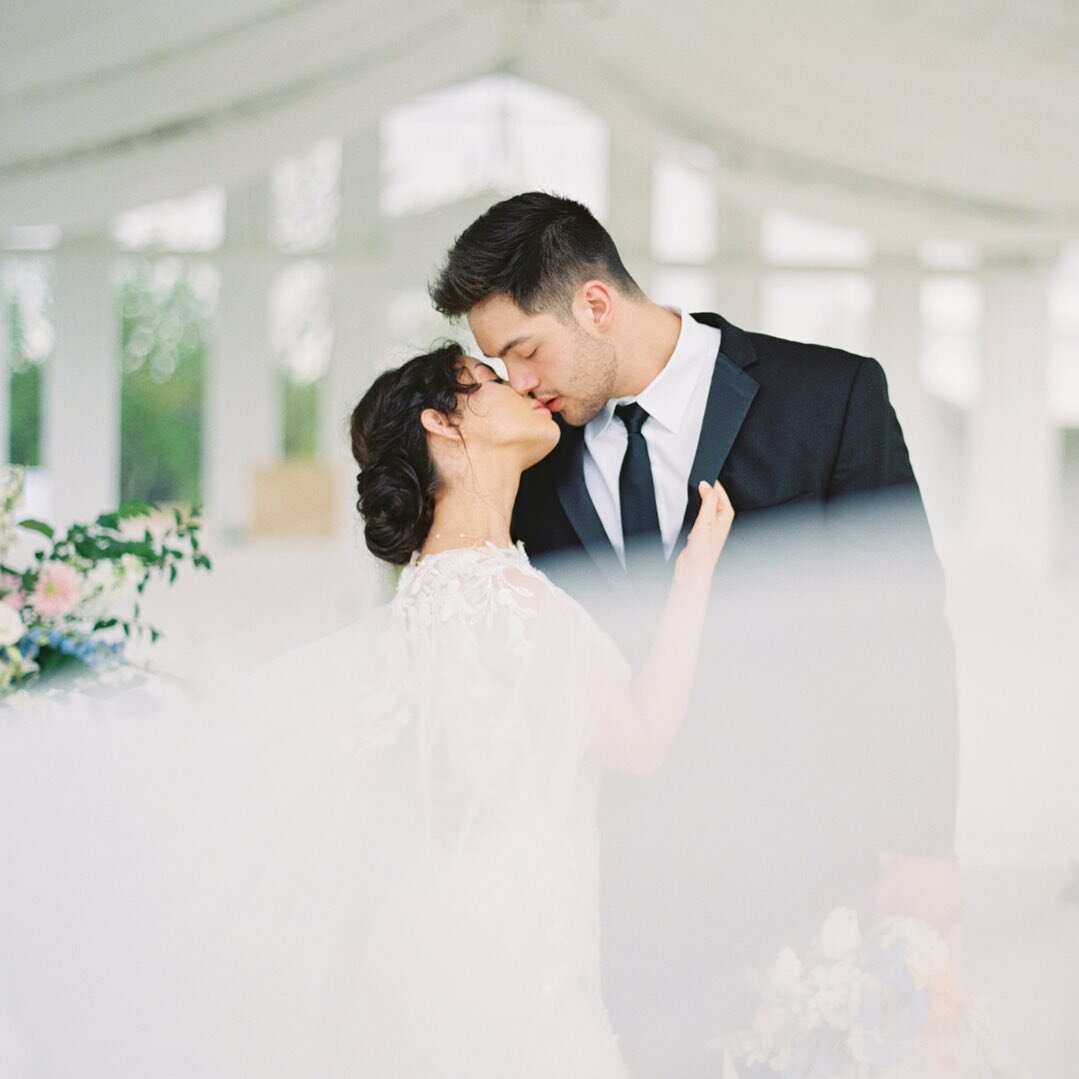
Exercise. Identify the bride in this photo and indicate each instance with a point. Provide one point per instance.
(376, 858)
(486, 961)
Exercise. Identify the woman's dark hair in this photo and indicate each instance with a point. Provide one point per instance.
(535, 248)
(397, 480)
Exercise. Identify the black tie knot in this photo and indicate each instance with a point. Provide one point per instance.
(632, 415)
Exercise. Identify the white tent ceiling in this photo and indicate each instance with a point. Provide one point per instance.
(958, 118)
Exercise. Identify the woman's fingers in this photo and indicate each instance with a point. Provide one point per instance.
(714, 498)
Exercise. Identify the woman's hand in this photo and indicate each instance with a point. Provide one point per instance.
(649, 715)
(708, 535)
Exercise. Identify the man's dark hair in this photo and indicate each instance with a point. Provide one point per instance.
(535, 248)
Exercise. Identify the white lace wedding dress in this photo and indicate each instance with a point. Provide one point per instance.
(484, 957)
(376, 860)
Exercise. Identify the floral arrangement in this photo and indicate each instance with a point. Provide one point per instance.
(75, 605)
(884, 1005)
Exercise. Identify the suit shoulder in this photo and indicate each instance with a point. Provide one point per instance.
(811, 358)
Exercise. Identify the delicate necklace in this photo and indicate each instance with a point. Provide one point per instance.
(458, 535)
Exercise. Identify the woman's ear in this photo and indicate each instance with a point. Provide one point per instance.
(437, 423)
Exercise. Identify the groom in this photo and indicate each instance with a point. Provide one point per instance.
(824, 772)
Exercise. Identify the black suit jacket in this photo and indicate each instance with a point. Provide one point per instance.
(745, 839)
(785, 422)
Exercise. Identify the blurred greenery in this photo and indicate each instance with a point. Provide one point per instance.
(165, 341)
(165, 337)
(301, 417)
(25, 388)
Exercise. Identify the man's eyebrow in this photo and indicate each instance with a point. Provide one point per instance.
(512, 344)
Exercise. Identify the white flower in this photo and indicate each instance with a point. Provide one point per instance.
(840, 937)
(11, 625)
(925, 951)
(99, 591)
(784, 975)
(835, 993)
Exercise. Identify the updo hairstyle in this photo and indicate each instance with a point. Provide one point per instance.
(397, 480)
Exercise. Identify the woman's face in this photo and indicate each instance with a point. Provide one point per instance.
(496, 415)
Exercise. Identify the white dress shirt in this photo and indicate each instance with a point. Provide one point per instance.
(675, 401)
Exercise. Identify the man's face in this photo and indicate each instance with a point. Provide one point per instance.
(571, 370)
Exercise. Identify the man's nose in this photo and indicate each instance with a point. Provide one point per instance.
(524, 382)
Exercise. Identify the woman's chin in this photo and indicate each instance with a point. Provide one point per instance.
(541, 447)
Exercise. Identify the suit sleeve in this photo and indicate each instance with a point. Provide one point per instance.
(896, 632)
(872, 454)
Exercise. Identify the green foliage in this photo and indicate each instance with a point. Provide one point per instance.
(165, 332)
(165, 329)
(37, 526)
(301, 401)
(25, 388)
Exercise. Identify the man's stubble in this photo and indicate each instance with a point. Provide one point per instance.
(593, 377)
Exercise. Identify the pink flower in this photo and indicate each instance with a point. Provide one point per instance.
(10, 592)
(57, 591)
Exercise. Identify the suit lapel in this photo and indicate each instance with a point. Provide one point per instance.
(573, 496)
(729, 397)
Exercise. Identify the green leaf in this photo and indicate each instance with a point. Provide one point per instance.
(91, 548)
(109, 520)
(135, 507)
(38, 526)
(172, 574)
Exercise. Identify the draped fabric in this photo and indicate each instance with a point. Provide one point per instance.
(377, 858)
(906, 120)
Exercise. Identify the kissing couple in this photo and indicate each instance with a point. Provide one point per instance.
(559, 530)
(664, 679)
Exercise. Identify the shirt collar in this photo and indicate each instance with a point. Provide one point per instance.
(666, 398)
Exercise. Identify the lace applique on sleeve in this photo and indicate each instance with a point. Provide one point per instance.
(490, 596)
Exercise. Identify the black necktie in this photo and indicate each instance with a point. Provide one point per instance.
(637, 493)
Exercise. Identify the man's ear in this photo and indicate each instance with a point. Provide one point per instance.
(593, 305)
(437, 423)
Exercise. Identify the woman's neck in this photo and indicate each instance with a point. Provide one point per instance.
(469, 517)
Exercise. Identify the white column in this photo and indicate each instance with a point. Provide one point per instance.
(629, 220)
(897, 345)
(737, 269)
(81, 407)
(360, 302)
(1013, 447)
(243, 417)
